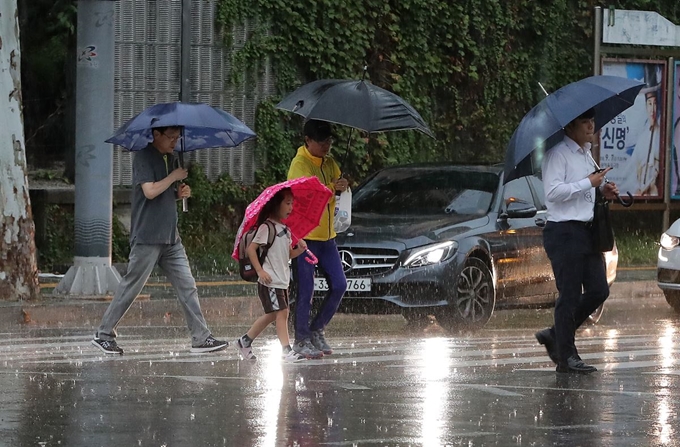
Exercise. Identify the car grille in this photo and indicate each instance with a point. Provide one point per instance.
(362, 262)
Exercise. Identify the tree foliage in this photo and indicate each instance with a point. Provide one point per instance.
(470, 67)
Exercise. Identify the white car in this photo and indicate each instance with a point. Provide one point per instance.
(668, 265)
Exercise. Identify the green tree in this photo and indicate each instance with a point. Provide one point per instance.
(470, 67)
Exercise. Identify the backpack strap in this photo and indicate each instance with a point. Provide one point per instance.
(271, 235)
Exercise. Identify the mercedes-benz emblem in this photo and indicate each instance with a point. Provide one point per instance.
(347, 260)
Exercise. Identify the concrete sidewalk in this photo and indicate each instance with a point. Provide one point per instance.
(223, 299)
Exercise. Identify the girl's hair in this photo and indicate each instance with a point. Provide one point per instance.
(273, 205)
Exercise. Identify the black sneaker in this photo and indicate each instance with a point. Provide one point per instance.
(107, 346)
(210, 345)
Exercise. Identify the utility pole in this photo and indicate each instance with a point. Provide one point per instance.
(92, 273)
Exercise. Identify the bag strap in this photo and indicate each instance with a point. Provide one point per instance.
(271, 235)
(600, 197)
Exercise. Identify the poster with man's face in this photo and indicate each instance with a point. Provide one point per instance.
(675, 141)
(632, 143)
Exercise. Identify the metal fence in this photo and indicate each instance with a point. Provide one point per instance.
(147, 71)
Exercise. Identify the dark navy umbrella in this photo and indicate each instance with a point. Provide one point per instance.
(354, 103)
(202, 127)
(543, 127)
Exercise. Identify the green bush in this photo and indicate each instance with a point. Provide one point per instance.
(637, 235)
(59, 238)
(637, 248)
(208, 229)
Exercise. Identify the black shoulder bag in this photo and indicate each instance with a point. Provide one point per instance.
(603, 234)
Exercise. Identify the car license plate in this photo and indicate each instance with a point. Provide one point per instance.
(353, 284)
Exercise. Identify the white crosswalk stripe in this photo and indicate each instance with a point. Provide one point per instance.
(517, 353)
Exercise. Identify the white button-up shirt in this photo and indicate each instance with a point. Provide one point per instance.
(568, 192)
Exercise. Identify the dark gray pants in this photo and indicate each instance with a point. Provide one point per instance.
(172, 259)
(581, 280)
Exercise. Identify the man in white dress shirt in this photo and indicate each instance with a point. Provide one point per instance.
(570, 180)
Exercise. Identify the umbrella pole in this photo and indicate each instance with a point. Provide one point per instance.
(351, 129)
(349, 143)
(185, 201)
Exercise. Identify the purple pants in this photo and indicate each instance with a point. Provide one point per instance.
(330, 267)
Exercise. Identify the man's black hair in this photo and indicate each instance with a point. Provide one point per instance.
(164, 128)
(588, 114)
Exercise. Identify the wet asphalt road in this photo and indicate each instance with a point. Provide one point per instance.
(384, 385)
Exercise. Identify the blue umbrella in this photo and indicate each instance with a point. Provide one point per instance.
(543, 127)
(202, 127)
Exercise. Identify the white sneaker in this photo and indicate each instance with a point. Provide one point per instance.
(293, 357)
(245, 353)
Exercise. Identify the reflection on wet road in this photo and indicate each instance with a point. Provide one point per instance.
(495, 387)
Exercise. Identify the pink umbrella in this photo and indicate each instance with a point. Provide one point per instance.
(310, 201)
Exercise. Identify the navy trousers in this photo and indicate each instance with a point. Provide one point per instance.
(331, 268)
(581, 280)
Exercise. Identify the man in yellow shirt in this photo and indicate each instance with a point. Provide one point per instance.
(313, 159)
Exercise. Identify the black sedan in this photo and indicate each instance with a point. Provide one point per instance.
(450, 241)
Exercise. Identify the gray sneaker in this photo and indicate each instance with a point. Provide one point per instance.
(107, 346)
(211, 344)
(306, 349)
(319, 342)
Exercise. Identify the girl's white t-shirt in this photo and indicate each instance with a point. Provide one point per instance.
(276, 262)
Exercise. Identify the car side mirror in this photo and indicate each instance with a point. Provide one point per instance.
(519, 210)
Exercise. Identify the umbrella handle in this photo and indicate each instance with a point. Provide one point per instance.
(623, 202)
(310, 258)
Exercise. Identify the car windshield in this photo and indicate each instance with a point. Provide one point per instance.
(427, 191)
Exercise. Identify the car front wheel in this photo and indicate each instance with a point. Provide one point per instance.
(474, 300)
(673, 298)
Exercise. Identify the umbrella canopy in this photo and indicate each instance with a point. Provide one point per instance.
(354, 103)
(543, 127)
(203, 127)
(310, 200)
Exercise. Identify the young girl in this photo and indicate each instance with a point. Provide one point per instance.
(273, 275)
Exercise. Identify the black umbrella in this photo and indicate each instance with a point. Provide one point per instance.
(354, 103)
(543, 127)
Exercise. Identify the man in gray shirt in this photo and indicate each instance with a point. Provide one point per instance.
(154, 240)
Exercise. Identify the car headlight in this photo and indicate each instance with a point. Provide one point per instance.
(669, 242)
(432, 254)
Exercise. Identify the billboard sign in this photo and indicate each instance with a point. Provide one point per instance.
(632, 142)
